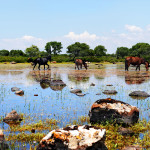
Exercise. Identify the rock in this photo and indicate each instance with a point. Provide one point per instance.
(132, 147)
(3, 144)
(92, 84)
(125, 131)
(76, 91)
(12, 117)
(98, 94)
(21, 92)
(32, 130)
(57, 85)
(13, 62)
(139, 94)
(109, 85)
(35, 94)
(75, 138)
(110, 110)
(110, 92)
(80, 94)
(13, 89)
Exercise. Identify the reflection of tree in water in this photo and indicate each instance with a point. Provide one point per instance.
(136, 78)
(45, 79)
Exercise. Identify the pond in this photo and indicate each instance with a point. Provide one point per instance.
(42, 100)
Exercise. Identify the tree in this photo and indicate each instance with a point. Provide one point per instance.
(53, 47)
(100, 50)
(78, 49)
(139, 49)
(4, 52)
(32, 51)
(122, 52)
(16, 53)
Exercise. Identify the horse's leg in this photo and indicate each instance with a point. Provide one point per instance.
(34, 66)
(44, 66)
(126, 65)
(75, 66)
(138, 66)
(78, 67)
(48, 66)
(81, 66)
(39, 67)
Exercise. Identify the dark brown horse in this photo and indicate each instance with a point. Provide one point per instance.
(40, 61)
(80, 62)
(136, 61)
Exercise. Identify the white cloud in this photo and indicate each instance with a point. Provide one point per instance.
(148, 27)
(82, 36)
(133, 28)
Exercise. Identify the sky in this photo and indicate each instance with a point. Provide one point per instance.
(111, 23)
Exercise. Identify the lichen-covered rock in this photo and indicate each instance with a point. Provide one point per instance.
(139, 94)
(110, 92)
(111, 110)
(12, 117)
(74, 138)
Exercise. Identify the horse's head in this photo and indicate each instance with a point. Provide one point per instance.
(147, 65)
(85, 64)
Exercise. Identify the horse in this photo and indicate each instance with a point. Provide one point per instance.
(80, 62)
(41, 61)
(136, 61)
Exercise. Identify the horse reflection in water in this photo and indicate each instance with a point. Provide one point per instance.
(79, 63)
(136, 61)
(45, 80)
(136, 78)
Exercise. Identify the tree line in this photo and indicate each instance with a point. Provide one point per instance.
(80, 50)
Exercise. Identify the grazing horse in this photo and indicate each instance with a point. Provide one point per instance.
(136, 61)
(80, 62)
(41, 61)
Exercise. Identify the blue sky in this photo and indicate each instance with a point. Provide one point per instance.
(111, 23)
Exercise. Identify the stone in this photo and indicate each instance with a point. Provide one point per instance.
(110, 92)
(74, 138)
(76, 91)
(139, 94)
(80, 94)
(21, 92)
(98, 94)
(110, 110)
(3, 144)
(12, 117)
(132, 147)
(125, 131)
(109, 85)
(92, 84)
(13, 62)
(35, 94)
(57, 85)
(13, 89)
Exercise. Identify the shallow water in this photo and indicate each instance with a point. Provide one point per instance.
(58, 103)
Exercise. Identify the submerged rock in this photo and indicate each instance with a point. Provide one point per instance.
(13, 89)
(57, 85)
(80, 94)
(139, 94)
(111, 110)
(110, 92)
(92, 84)
(76, 91)
(12, 117)
(74, 138)
(21, 92)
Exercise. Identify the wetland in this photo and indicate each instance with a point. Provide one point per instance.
(47, 105)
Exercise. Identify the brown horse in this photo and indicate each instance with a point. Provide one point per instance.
(136, 61)
(80, 62)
